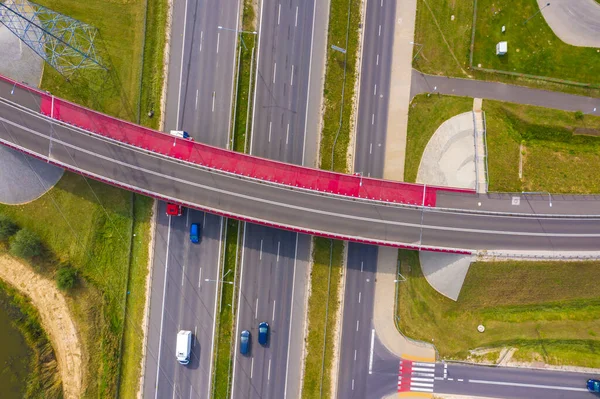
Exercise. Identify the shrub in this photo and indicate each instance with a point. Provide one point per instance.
(7, 227)
(66, 277)
(578, 115)
(26, 244)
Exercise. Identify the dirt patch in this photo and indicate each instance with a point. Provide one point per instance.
(586, 131)
(56, 320)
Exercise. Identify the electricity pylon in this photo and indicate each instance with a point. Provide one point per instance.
(63, 42)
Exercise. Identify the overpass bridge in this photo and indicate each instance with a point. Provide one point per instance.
(305, 200)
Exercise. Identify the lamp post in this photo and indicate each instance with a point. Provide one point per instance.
(418, 51)
(359, 174)
(538, 11)
(237, 30)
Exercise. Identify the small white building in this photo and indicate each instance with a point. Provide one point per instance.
(501, 48)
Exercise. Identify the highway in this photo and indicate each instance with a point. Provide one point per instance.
(274, 262)
(301, 210)
(361, 265)
(199, 97)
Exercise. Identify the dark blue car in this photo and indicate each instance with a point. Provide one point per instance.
(195, 233)
(593, 386)
(245, 342)
(263, 333)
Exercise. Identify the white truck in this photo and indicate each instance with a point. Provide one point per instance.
(180, 133)
(184, 346)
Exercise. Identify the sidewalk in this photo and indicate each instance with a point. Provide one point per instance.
(400, 92)
(383, 312)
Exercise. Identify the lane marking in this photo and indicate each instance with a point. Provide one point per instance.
(420, 384)
(375, 90)
(354, 354)
(421, 389)
(273, 318)
(377, 62)
(213, 100)
(292, 78)
(516, 384)
(214, 325)
(361, 266)
(260, 255)
(251, 368)
(371, 351)
(279, 14)
(183, 275)
(459, 380)
(379, 30)
(269, 372)
(200, 278)
(278, 246)
(196, 102)
(357, 324)
(372, 119)
(381, 3)
(353, 384)
(201, 34)
(218, 40)
(287, 365)
(240, 295)
(269, 131)
(256, 310)
(181, 69)
(371, 148)
(274, 71)
(296, 23)
(359, 296)
(423, 364)
(162, 314)
(287, 134)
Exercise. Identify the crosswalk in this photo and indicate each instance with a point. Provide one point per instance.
(416, 376)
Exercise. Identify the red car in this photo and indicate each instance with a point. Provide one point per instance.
(173, 209)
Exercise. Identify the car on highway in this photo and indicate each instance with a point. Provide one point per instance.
(183, 347)
(195, 232)
(593, 385)
(173, 209)
(245, 342)
(263, 333)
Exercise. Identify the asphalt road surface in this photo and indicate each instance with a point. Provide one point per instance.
(354, 380)
(199, 97)
(240, 198)
(274, 261)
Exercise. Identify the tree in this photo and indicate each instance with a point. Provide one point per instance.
(7, 227)
(66, 277)
(26, 244)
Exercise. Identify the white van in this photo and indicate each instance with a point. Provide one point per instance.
(184, 346)
(180, 133)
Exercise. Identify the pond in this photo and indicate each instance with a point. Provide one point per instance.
(15, 355)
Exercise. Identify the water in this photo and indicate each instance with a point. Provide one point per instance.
(14, 356)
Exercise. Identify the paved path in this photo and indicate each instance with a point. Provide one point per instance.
(422, 83)
(575, 22)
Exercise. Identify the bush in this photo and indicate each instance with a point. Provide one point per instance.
(7, 227)
(26, 244)
(579, 115)
(66, 277)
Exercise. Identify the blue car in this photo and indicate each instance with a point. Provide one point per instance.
(263, 333)
(195, 233)
(245, 342)
(593, 386)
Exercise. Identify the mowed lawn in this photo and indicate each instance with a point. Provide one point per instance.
(549, 310)
(560, 150)
(532, 46)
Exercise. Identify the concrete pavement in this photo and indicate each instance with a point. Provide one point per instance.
(575, 22)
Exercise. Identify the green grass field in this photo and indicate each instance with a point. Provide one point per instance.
(90, 224)
(324, 290)
(446, 43)
(560, 151)
(549, 310)
(425, 115)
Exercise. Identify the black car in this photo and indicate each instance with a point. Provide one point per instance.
(245, 342)
(263, 333)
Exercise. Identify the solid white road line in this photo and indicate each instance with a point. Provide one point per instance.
(237, 322)
(287, 366)
(181, 69)
(371, 351)
(312, 38)
(515, 384)
(162, 314)
(212, 343)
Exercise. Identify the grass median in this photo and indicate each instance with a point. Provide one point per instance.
(445, 31)
(323, 307)
(226, 318)
(548, 310)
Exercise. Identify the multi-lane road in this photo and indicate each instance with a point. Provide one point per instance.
(274, 262)
(184, 282)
